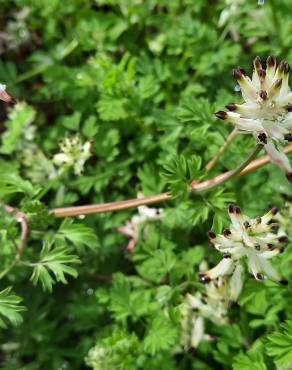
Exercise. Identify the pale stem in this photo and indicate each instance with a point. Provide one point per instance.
(131, 203)
(218, 180)
(221, 150)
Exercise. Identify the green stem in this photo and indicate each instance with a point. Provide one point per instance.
(51, 183)
(207, 186)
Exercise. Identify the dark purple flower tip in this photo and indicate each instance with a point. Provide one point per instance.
(257, 62)
(283, 282)
(271, 61)
(211, 234)
(226, 255)
(288, 107)
(281, 66)
(260, 276)
(205, 279)
(232, 107)
(289, 176)
(271, 246)
(226, 232)
(274, 226)
(257, 247)
(231, 208)
(221, 114)
(262, 138)
(283, 239)
(286, 68)
(239, 73)
(288, 137)
(274, 210)
(262, 74)
(263, 95)
(237, 210)
(246, 224)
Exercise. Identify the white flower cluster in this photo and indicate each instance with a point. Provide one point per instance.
(132, 229)
(74, 153)
(250, 239)
(267, 109)
(212, 305)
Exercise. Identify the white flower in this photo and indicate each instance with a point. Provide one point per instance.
(74, 153)
(232, 8)
(211, 304)
(4, 95)
(133, 227)
(267, 109)
(250, 239)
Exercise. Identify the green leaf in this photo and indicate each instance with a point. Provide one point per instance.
(78, 234)
(158, 265)
(10, 308)
(52, 267)
(279, 345)
(71, 122)
(179, 171)
(162, 335)
(254, 361)
(12, 183)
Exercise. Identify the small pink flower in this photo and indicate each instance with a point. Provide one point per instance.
(132, 229)
(4, 96)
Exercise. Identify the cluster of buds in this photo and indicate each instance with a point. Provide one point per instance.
(250, 239)
(74, 153)
(212, 305)
(133, 228)
(267, 109)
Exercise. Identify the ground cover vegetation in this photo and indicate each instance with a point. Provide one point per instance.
(127, 241)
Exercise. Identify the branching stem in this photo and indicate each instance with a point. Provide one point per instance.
(247, 166)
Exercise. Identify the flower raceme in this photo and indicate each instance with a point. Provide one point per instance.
(250, 239)
(267, 109)
(212, 304)
(74, 153)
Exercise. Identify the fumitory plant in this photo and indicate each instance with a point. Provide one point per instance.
(138, 230)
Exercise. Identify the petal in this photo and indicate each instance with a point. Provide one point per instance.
(269, 270)
(249, 110)
(197, 331)
(224, 267)
(62, 158)
(269, 254)
(247, 124)
(288, 121)
(254, 265)
(248, 90)
(274, 130)
(278, 157)
(194, 301)
(236, 282)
